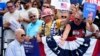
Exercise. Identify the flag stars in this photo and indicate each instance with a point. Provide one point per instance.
(81, 51)
(77, 53)
(85, 44)
(55, 48)
(58, 52)
(49, 39)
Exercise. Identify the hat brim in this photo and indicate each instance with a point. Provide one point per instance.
(45, 15)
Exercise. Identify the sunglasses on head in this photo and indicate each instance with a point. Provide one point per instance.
(63, 16)
(32, 16)
(23, 35)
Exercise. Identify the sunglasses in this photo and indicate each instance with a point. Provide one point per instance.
(78, 19)
(23, 35)
(63, 16)
(46, 6)
(32, 16)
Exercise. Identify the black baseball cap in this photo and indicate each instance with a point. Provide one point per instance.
(25, 1)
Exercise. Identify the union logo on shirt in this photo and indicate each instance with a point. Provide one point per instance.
(78, 33)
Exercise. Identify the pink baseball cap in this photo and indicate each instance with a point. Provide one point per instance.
(46, 12)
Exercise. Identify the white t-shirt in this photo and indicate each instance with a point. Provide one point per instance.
(9, 34)
(24, 15)
(89, 32)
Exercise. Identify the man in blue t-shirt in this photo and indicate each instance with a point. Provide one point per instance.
(31, 47)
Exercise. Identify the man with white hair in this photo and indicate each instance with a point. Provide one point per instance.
(15, 48)
(24, 14)
(31, 47)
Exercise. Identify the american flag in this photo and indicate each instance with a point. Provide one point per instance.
(63, 5)
(93, 1)
(78, 47)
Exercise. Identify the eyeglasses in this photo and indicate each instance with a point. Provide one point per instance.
(32, 16)
(34, 4)
(23, 35)
(9, 6)
(46, 6)
(63, 16)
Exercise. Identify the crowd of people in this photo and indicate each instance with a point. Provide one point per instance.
(31, 27)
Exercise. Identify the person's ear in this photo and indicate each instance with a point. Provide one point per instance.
(15, 34)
